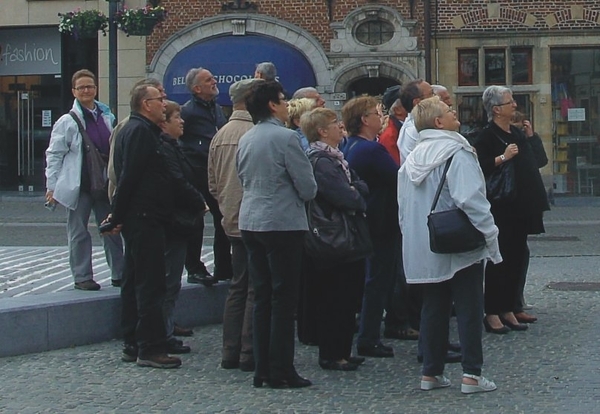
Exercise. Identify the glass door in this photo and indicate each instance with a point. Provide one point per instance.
(29, 106)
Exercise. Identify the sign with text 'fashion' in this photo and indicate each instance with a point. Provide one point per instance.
(30, 51)
(233, 58)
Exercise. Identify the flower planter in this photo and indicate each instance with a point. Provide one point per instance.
(145, 28)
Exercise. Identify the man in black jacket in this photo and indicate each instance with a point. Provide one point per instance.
(203, 118)
(143, 204)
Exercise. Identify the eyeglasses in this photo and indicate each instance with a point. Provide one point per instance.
(512, 101)
(160, 98)
(450, 109)
(85, 88)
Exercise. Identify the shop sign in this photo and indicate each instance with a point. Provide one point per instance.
(233, 58)
(30, 51)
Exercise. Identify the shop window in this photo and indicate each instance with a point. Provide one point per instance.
(374, 32)
(575, 74)
(520, 60)
(495, 67)
(468, 67)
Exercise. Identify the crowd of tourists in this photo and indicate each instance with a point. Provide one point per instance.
(323, 224)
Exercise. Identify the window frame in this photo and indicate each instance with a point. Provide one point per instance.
(464, 79)
(369, 33)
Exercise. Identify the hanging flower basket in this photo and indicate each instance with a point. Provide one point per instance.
(83, 24)
(140, 22)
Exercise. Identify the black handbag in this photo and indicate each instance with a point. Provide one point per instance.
(451, 231)
(96, 164)
(336, 235)
(500, 184)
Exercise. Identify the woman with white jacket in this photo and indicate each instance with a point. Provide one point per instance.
(446, 278)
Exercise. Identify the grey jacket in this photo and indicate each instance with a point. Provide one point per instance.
(276, 177)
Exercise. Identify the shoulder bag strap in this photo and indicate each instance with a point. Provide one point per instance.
(82, 131)
(439, 189)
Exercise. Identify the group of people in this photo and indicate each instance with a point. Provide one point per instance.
(168, 165)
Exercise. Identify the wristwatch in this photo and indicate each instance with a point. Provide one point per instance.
(502, 158)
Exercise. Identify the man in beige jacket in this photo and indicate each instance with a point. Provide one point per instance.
(225, 186)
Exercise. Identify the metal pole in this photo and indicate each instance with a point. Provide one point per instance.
(112, 57)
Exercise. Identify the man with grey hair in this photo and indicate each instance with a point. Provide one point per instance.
(266, 71)
(226, 187)
(443, 94)
(203, 118)
(312, 93)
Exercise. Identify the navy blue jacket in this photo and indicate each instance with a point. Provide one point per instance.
(377, 168)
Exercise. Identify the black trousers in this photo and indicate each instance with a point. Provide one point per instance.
(221, 245)
(274, 260)
(502, 279)
(337, 290)
(144, 285)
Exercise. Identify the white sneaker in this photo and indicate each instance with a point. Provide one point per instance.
(440, 382)
(483, 385)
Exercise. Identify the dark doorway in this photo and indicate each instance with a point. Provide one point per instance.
(369, 86)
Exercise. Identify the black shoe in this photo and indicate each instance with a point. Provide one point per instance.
(408, 334)
(181, 331)
(295, 382)
(498, 331)
(87, 285)
(115, 282)
(454, 347)
(229, 364)
(514, 326)
(337, 366)
(356, 360)
(247, 366)
(451, 357)
(204, 278)
(177, 347)
(130, 353)
(376, 351)
(257, 382)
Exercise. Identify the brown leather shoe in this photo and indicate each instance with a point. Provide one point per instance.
(525, 317)
(159, 361)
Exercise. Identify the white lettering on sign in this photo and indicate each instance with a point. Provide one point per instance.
(28, 53)
(179, 81)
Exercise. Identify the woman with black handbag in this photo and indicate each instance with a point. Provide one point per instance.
(517, 213)
(338, 273)
(444, 156)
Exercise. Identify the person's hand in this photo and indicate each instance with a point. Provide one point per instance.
(527, 129)
(114, 230)
(511, 151)
(50, 197)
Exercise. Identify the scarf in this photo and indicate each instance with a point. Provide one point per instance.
(336, 153)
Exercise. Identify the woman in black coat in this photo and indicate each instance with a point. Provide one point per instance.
(500, 142)
(337, 284)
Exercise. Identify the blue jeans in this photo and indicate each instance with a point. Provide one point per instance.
(465, 289)
(380, 279)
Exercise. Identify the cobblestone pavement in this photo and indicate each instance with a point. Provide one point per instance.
(554, 367)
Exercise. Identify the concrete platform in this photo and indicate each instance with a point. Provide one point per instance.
(50, 321)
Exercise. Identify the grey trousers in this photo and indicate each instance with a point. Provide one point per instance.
(174, 261)
(237, 317)
(80, 240)
(465, 289)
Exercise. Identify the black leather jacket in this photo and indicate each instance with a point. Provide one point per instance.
(144, 184)
(202, 121)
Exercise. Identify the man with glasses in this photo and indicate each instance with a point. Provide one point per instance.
(69, 177)
(203, 118)
(143, 206)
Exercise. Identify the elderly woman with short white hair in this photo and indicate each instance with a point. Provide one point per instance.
(446, 278)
